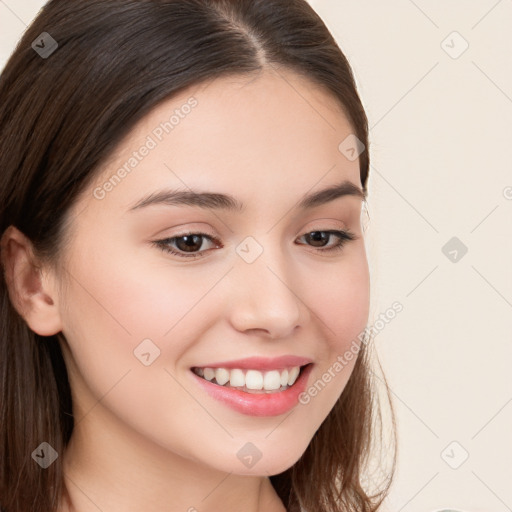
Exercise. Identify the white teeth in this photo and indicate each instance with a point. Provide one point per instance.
(272, 380)
(293, 374)
(209, 373)
(237, 379)
(256, 380)
(221, 376)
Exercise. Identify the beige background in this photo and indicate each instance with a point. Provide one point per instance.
(441, 128)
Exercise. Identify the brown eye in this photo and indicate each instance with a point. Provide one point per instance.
(187, 245)
(318, 239)
(190, 243)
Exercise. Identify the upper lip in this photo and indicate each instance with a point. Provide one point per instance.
(261, 363)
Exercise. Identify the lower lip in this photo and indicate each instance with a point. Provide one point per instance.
(258, 404)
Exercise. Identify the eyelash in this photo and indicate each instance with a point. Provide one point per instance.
(343, 237)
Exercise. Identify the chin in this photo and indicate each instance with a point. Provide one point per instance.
(270, 465)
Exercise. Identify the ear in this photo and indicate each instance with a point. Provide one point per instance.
(31, 290)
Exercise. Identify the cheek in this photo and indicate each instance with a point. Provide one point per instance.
(131, 292)
(342, 299)
(114, 302)
(108, 315)
(117, 301)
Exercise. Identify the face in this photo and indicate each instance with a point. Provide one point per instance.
(156, 290)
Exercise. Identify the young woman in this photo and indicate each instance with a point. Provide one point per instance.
(185, 288)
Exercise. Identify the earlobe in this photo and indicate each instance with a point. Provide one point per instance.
(32, 291)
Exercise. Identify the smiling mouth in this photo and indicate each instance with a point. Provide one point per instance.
(252, 381)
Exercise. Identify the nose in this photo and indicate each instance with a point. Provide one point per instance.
(266, 298)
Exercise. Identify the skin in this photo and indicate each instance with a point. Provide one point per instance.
(148, 437)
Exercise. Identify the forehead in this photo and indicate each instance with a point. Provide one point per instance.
(272, 131)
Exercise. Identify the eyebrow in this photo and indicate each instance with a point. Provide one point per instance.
(218, 201)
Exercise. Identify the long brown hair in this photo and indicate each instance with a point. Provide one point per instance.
(62, 113)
